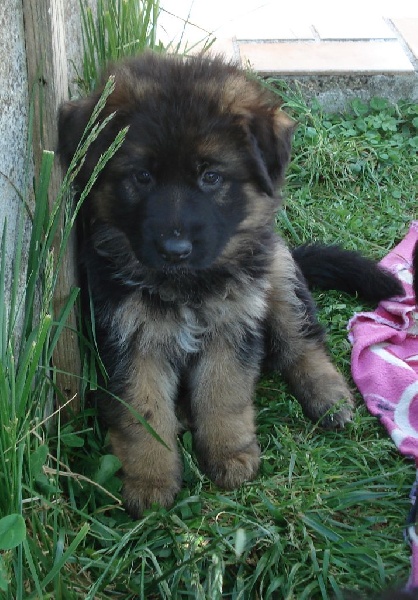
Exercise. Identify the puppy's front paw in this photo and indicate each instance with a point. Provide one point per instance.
(230, 470)
(140, 494)
(339, 413)
(332, 403)
(321, 389)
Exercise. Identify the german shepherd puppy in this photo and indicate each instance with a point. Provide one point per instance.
(193, 290)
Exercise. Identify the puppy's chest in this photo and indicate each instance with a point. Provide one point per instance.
(184, 329)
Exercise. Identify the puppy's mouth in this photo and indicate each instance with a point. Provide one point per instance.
(180, 270)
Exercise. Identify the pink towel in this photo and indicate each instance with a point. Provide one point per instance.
(384, 358)
(384, 361)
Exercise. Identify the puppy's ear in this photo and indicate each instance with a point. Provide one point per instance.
(284, 128)
(72, 121)
(271, 140)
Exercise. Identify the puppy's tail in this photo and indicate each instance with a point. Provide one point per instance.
(333, 268)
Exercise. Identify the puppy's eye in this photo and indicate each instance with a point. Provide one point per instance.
(211, 178)
(142, 177)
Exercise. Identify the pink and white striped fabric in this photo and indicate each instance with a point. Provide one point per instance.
(384, 361)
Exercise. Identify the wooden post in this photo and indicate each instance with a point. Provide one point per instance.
(47, 68)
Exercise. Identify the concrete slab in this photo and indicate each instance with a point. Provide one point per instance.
(408, 29)
(333, 27)
(327, 57)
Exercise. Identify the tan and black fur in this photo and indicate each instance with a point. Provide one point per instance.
(193, 291)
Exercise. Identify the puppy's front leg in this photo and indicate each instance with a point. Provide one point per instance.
(296, 347)
(151, 471)
(223, 415)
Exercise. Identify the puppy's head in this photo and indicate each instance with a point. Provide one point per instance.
(204, 155)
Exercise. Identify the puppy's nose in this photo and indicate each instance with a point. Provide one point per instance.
(175, 249)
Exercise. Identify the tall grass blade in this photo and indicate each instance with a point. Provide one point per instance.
(58, 565)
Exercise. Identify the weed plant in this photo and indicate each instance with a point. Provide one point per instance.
(30, 505)
(115, 29)
(327, 511)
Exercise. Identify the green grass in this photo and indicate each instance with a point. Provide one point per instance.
(327, 511)
(367, 157)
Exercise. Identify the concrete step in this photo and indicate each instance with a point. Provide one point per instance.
(370, 51)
